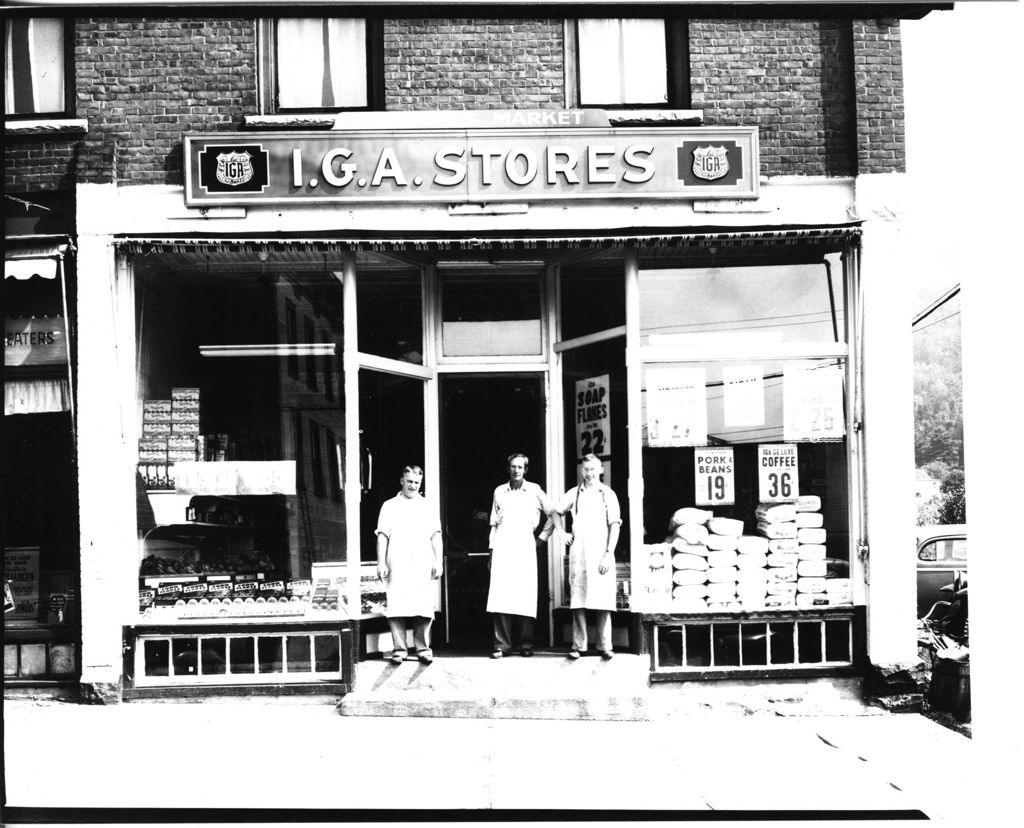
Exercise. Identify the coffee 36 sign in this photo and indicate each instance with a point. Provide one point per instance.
(468, 165)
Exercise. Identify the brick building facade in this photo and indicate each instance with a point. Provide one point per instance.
(822, 87)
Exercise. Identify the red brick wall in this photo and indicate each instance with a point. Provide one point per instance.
(791, 78)
(473, 64)
(878, 70)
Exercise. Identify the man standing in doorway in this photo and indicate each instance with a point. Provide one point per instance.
(515, 514)
(408, 562)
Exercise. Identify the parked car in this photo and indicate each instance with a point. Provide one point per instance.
(941, 553)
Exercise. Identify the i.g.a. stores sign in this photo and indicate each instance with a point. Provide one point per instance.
(471, 165)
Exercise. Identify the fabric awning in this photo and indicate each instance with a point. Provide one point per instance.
(27, 268)
(25, 258)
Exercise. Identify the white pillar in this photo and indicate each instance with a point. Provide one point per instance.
(353, 484)
(106, 453)
(887, 280)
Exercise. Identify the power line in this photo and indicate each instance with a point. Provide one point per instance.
(938, 303)
(937, 321)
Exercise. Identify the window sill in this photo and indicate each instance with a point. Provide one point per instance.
(53, 126)
(655, 117)
(319, 121)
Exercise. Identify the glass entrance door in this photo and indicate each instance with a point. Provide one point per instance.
(484, 417)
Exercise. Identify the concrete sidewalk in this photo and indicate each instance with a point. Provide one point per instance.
(255, 753)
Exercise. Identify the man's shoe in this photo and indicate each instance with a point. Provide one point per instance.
(425, 658)
(607, 655)
(526, 652)
(573, 654)
(397, 657)
(497, 654)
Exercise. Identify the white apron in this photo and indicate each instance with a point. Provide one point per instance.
(409, 523)
(594, 510)
(516, 513)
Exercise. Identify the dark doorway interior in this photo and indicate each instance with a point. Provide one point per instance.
(484, 418)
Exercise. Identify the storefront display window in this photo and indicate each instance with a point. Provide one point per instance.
(390, 314)
(491, 316)
(744, 452)
(238, 464)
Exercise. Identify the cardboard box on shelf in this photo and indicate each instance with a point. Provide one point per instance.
(151, 430)
(184, 393)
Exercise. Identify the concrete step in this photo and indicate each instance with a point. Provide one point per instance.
(550, 686)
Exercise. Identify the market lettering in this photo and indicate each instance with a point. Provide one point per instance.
(536, 118)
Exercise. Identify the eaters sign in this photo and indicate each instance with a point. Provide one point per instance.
(471, 165)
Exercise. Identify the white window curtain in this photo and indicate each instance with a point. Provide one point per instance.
(34, 66)
(36, 396)
(622, 61)
(321, 63)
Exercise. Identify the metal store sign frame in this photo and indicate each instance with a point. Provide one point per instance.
(471, 165)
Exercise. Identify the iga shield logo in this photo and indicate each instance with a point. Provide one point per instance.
(710, 163)
(236, 168)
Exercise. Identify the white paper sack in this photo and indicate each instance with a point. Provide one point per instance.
(782, 559)
(745, 591)
(808, 503)
(777, 530)
(753, 604)
(692, 533)
(690, 605)
(775, 512)
(752, 561)
(752, 577)
(810, 584)
(724, 606)
(680, 545)
(783, 545)
(782, 588)
(807, 599)
(779, 602)
(839, 600)
(690, 514)
(721, 592)
(811, 535)
(752, 544)
(726, 542)
(723, 575)
(722, 557)
(688, 576)
(810, 552)
(726, 526)
(809, 520)
(781, 573)
(838, 585)
(689, 592)
(681, 560)
(811, 569)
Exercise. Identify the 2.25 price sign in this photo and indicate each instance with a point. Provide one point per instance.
(714, 476)
(778, 474)
(593, 417)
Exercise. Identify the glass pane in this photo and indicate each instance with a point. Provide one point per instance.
(782, 643)
(670, 646)
(755, 644)
(241, 429)
(269, 649)
(34, 66)
(185, 656)
(837, 640)
(243, 655)
(321, 63)
(298, 654)
(327, 652)
(390, 316)
(591, 301)
(156, 657)
(622, 62)
(391, 438)
(753, 306)
(213, 652)
(727, 645)
(809, 641)
(698, 645)
(491, 316)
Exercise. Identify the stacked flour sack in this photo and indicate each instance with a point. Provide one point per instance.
(777, 529)
(704, 561)
(821, 581)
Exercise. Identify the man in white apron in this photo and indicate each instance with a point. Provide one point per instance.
(596, 519)
(408, 562)
(512, 597)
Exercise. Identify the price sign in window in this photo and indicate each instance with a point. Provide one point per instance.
(715, 477)
(778, 474)
(813, 402)
(593, 417)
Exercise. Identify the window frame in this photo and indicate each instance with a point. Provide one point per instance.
(69, 73)
(677, 69)
(269, 98)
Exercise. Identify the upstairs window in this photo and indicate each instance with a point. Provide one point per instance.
(632, 63)
(319, 63)
(35, 79)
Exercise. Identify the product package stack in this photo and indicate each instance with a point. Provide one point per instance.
(183, 444)
(156, 432)
(724, 582)
(691, 590)
(811, 567)
(776, 522)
